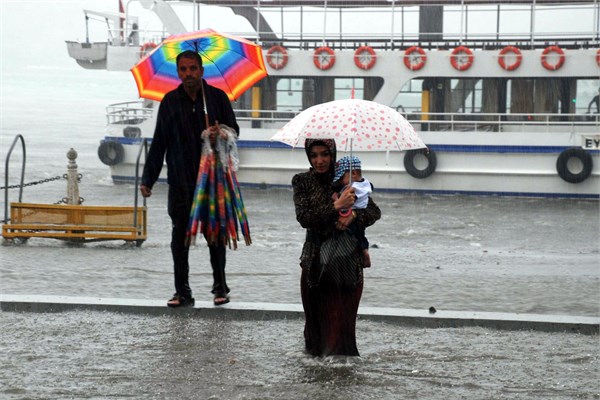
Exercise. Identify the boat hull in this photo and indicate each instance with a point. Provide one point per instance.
(467, 163)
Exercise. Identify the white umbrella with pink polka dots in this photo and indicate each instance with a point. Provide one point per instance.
(356, 125)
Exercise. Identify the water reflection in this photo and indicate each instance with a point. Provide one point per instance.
(91, 355)
(332, 370)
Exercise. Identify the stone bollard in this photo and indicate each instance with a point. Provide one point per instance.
(72, 186)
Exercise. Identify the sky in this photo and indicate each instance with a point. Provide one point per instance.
(36, 30)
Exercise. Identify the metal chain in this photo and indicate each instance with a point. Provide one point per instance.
(32, 183)
(64, 200)
(64, 176)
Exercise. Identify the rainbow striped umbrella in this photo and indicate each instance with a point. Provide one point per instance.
(230, 63)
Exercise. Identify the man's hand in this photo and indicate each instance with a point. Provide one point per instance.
(215, 130)
(145, 190)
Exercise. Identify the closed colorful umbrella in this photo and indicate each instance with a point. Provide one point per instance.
(218, 207)
(231, 63)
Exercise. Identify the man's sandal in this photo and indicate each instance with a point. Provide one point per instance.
(219, 300)
(180, 301)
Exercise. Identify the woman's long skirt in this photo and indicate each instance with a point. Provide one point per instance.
(330, 317)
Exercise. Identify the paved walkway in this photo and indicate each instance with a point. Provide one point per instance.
(269, 311)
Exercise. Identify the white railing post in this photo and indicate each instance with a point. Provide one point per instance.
(72, 187)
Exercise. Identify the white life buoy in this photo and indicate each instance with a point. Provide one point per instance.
(324, 58)
(502, 58)
(277, 57)
(562, 165)
(414, 58)
(461, 52)
(364, 57)
(561, 58)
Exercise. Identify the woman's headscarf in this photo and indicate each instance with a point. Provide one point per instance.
(330, 144)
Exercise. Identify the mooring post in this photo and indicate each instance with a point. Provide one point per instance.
(72, 187)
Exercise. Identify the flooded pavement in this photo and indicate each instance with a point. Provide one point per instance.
(454, 253)
(458, 253)
(100, 355)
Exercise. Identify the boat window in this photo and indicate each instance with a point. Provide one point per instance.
(297, 94)
(522, 97)
(289, 94)
(465, 95)
(347, 88)
(587, 97)
(408, 99)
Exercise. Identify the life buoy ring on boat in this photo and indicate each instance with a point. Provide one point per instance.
(111, 152)
(502, 58)
(277, 57)
(409, 163)
(562, 165)
(598, 57)
(146, 48)
(324, 58)
(365, 57)
(456, 54)
(412, 61)
(559, 63)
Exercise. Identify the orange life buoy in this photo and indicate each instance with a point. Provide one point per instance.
(561, 58)
(147, 48)
(412, 61)
(324, 58)
(463, 66)
(364, 57)
(598, 57)
(502, 58)
(277, 57)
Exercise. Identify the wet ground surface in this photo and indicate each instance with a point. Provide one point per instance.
(100, 355)
(454, 253)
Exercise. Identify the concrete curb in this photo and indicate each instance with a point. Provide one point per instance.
(270, 311)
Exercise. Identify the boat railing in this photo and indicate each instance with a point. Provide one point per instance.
(571, 40)
(498, 122)
(487, 122)
(129, 112)
(389, 41)
(135, 112)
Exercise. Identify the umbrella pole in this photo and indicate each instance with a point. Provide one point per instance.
(204, 104)
(350, 171)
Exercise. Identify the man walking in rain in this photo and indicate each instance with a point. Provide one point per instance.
(180, 123)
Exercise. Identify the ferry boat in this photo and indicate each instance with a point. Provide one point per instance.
(509, 109)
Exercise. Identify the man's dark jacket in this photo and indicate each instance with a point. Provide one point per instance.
(179, 124)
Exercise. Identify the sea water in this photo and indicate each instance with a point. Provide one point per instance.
(450, 252)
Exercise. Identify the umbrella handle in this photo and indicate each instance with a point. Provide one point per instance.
(204, 104)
